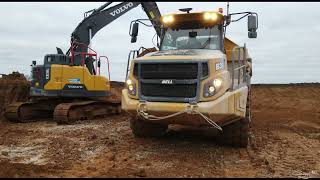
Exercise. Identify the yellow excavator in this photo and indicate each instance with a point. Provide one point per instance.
(69, 86)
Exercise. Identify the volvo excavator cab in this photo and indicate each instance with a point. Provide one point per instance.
(61, 76)
(39, 74)
(203, 83)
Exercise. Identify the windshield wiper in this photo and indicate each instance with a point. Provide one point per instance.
(207, 41)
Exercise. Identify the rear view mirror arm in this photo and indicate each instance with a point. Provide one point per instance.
(246, 14)
(139, 21)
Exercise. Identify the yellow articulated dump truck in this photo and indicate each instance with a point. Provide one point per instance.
(196, 77)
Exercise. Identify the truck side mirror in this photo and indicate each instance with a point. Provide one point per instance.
(133, 39)
(34, 63)
(134, 32)
(252, 26)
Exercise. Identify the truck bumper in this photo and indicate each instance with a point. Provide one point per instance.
(224, 110)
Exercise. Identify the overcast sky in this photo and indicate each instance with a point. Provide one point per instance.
(286, 50)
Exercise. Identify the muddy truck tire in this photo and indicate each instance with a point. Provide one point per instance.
(235, 134)
(142, 128)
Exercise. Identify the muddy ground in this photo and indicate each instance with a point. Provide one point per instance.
(284, 142)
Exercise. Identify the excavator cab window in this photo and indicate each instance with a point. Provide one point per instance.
(56, 59)
(49, 59)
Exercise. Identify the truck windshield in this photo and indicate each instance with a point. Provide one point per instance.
(208, 38)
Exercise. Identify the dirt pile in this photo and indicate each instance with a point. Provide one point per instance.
(296, 106)
(14, 87)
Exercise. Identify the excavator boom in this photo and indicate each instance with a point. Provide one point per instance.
(103, 16)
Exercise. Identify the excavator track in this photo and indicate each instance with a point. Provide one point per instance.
(13, 113)
(69, 113)
(24, 112)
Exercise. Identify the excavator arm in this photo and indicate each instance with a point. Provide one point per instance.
(103, 16)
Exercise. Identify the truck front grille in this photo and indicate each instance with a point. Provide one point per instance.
(169, 81)
(166, 90)
(169, 71)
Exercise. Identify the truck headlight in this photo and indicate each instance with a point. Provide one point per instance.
(212, 87)
(217, 83)
(129, 82)
(131, 87)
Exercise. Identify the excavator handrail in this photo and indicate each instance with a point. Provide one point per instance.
(82, 53)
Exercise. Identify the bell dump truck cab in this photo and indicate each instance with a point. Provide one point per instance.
(198, 77)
